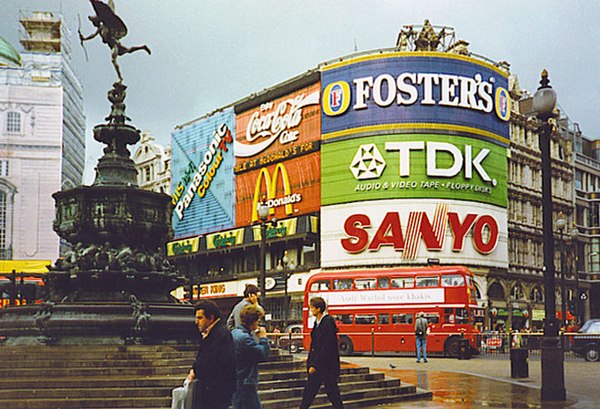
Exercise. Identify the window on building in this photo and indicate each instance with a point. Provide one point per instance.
(517, 293)
(496, 292)
(13, 122)
(3, 167)
(147, 174)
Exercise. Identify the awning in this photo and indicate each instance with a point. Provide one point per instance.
(24, 266)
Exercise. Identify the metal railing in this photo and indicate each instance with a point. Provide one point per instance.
(490, 344)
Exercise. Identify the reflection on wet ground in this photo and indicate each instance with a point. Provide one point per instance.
(453, 390)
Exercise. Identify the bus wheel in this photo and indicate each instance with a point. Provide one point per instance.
(346, 347)
(451, 347)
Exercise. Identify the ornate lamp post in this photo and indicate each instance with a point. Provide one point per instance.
(263, 214)
(553, 374)
(286, 267)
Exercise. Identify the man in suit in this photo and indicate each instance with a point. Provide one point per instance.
(323, 359)
(215, 366)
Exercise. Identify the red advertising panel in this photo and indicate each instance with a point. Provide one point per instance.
(290, 188)
(267, 133)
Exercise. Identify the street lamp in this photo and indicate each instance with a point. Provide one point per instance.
(561, 222)
(286, 267)
(263, 214)
(553, 374)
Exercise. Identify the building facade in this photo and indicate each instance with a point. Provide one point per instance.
(153, 164)
(385, 158)
(42, 127)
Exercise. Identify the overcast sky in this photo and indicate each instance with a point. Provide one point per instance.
(207, 54)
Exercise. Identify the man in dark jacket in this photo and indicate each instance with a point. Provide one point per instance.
(324, 358)
(215, 366)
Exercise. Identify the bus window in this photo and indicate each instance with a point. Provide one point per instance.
(364, 283)
(365, 319)
(320, 286)
(343, 318)
(384, 318)
(403, 282)
(453, 280)
(402, 318)
(428, 281)
(383, 282)
(462, 316)
(342, 284)
(432, 318)
(449, 317)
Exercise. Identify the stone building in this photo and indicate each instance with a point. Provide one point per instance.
(42, 127)
(153, 164)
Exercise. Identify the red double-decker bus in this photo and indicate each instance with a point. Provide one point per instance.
(375, 309)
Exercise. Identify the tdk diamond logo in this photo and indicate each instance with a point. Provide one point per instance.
(367, 163)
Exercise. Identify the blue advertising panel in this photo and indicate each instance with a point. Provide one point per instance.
(203, 182)
(393, 91)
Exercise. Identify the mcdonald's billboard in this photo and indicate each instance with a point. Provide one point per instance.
(290, 188)
(203, 182)
(272, 129)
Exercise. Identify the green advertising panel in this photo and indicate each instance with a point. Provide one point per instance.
(413, 166)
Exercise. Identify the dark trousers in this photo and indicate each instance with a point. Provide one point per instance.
(313, 384)
(246, 397)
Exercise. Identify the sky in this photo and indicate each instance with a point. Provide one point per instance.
(208, 54)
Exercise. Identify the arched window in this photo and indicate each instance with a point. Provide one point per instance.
(496, 292)
(536, 295)
(478, 292)
(516, 293)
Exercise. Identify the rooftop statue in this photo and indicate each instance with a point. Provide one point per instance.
(111, 29)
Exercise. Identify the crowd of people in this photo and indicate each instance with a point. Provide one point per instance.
(226, 366)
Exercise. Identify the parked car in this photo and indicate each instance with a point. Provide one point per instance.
(292, 338)
(587, 341)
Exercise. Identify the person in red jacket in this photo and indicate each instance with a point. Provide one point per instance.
(323, 358)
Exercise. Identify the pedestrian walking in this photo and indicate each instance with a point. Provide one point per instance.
(250, 297)
(421, 327)
(214, 368)
(323, 358)
(248, 353)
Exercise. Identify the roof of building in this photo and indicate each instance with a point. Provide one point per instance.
(8, 54)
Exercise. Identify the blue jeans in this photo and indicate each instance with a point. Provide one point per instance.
(421, 343)
(246, 397)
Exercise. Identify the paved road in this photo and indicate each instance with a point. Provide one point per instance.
(486, 382)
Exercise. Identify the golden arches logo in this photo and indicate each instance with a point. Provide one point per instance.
(270, 183)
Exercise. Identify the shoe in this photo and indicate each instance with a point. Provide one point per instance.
(418, 361)
(425, 361)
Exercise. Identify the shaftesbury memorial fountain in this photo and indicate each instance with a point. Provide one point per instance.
(114, 285)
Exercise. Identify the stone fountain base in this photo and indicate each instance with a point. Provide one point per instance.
(98, 323)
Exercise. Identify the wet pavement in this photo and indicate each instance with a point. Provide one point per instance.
(486, 383)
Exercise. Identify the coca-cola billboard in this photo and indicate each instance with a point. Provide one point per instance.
(273, 128)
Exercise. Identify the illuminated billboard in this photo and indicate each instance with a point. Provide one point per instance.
(410, 231)
(414, 166)
(290, 188)
(414, 160)
(203, 182)
(268, 132)
(402, 92)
